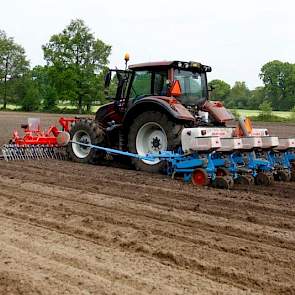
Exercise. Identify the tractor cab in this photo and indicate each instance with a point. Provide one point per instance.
(157, 79)
(185, 81)
(154, 85)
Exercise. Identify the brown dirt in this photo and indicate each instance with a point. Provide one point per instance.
(68, 228)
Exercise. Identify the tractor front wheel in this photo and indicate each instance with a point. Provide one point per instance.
(85, 131)
(153, 132)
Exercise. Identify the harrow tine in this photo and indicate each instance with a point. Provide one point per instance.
(30, 153)
(27, 153)
(4, 152)
(47, 150)
(39, 154)
(56, 153)
(37, 150)
(43, 151)
(13, 152)
(10, 152)
(21, 153)
(35, 153)
(50, 153)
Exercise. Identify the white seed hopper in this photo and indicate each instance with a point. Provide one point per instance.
(192, 143)
(230, 144)
(286, 144)
(251, 142)
(224, 132)
(269, 142)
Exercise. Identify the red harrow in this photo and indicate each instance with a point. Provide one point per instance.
(38, 144)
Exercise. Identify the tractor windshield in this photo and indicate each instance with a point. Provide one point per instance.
(193, 86)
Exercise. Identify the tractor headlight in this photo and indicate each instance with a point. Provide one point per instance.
(179, 64)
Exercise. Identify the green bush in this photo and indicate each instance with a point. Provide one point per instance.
(50, 100)
(31, 100)
(266, 111)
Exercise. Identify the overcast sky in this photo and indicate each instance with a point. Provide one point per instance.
(235, 37)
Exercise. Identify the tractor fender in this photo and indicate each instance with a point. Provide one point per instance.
(168, 105)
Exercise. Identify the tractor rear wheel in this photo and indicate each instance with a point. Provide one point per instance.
(153, 132)
(88, 132)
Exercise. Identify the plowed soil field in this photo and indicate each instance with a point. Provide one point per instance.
(67, 228)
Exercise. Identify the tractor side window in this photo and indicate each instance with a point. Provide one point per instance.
(141, 84)
(160, 83)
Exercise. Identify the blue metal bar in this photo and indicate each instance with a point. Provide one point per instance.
(163, 155)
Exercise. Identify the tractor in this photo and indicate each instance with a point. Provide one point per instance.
(153, 106)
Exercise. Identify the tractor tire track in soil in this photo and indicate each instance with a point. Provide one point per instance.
(67, 228)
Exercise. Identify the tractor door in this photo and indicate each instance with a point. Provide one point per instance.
(116, 84)
(121, 97)
(147, 83)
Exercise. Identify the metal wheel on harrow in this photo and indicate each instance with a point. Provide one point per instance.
(264, 178)
(245, 180)
(223, 182)
(283, 175)
(222, 171)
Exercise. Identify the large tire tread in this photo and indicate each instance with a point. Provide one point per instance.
(171, 128)
(97, 136)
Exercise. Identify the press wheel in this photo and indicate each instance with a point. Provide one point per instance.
(245, 180)
(200, 177)
(223, 182)
(222, 171)
(283, 175)
(264, 178)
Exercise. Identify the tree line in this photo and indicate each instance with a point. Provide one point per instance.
(75, 65)
(74, 71)
(278, 92)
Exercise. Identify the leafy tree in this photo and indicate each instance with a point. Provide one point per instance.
(257, 96)
(31, 100)
(220, 90)
(266, 109)
(279, 80)
(239, 96)
(77, 59)
(13, 63)
(43, 77)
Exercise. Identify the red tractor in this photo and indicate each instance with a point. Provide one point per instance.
(153, 105)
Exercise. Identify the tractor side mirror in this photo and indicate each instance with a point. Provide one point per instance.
(107, 79)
